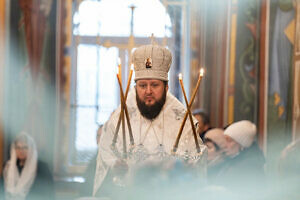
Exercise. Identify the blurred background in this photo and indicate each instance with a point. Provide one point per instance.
(59, 58)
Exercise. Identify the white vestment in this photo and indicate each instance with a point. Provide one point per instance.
(151, 133)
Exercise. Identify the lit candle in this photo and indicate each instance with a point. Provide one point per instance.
(201, 74)
(124, 136)
(126, 112)
(122, 117)
(119, 68)
(114, 141)
(121, 87)
(190, 115)
(129, 81)
(180, 76)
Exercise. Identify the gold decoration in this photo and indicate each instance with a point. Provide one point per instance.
(290, 31)
(277, 99)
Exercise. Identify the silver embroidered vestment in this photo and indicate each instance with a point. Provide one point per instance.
(154, 139)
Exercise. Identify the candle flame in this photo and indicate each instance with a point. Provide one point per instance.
(201, 72)
(180, 76)
(119, 61)
(132, 67)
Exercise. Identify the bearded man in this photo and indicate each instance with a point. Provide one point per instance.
(155, 117)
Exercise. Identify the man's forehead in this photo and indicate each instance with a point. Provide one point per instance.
(199, 117)
(149, 81)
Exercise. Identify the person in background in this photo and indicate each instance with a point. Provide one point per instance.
(244, 167)
(215, 141)
(25, 177)
(203, 122)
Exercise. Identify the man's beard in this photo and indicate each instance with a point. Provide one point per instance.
(151, 112)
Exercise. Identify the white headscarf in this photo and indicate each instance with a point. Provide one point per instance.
(18, 185)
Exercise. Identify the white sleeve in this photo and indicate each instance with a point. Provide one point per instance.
(105, 157)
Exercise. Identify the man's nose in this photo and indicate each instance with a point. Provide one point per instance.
(148, 89)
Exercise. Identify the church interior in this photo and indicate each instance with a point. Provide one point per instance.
(59, 59)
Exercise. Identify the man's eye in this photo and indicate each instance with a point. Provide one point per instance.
(143, 86)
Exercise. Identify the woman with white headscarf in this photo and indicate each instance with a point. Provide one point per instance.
(24, 176)
(243, 170)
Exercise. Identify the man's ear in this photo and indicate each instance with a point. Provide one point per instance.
(167, 87)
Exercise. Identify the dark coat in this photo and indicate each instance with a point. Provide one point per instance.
(245, 172)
